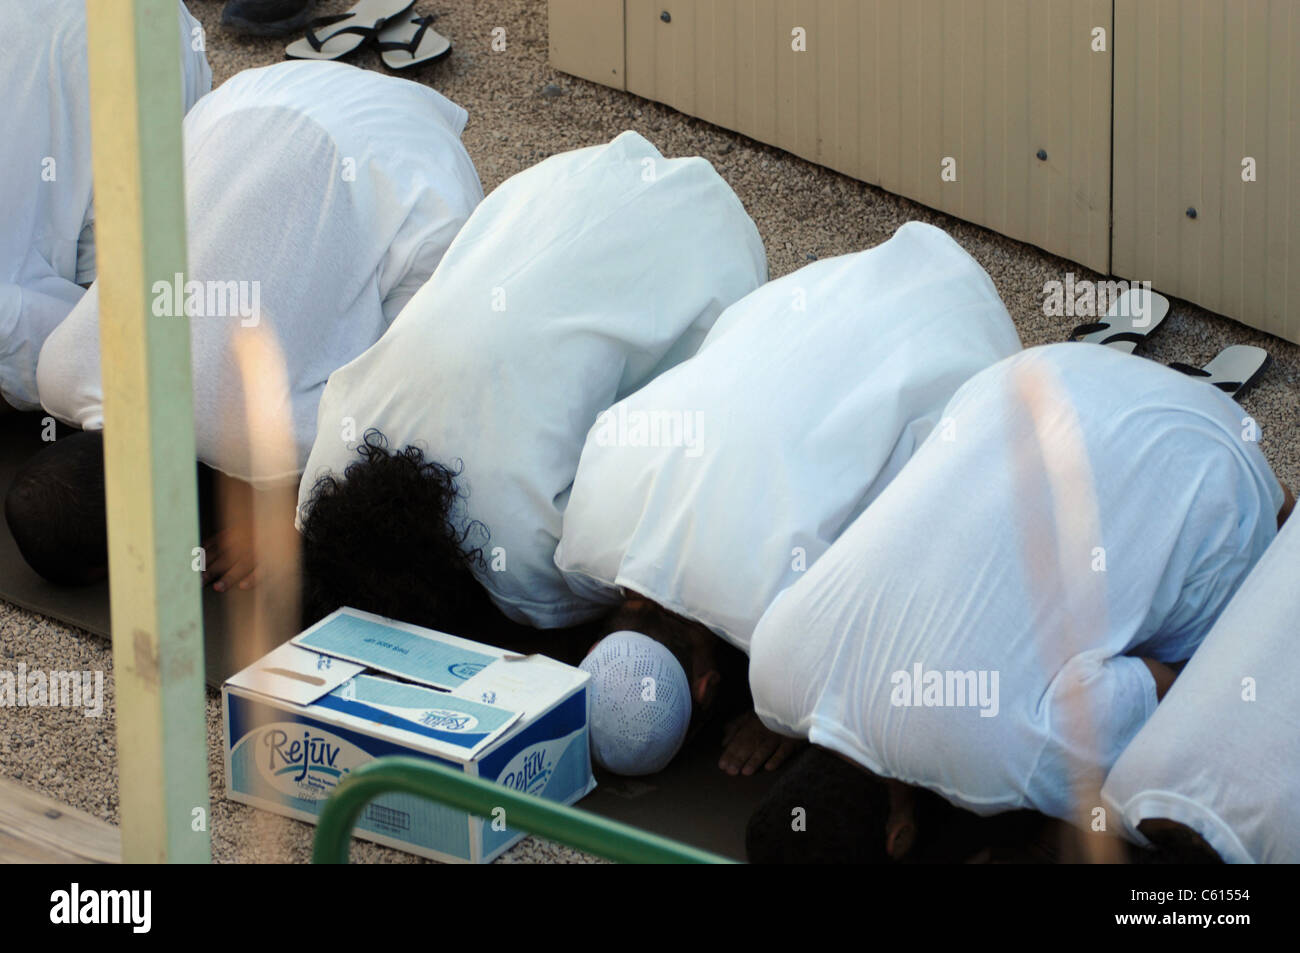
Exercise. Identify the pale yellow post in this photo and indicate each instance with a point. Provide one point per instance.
(148, 431)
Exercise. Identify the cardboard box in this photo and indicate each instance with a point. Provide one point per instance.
(355, 687)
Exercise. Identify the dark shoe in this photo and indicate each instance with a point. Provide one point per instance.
(267, 17)
(822, 810)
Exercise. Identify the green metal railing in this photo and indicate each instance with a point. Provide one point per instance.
(555, 822)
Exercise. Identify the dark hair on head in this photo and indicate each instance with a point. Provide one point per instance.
(1175, 844)
(670, 630)
(56, 511)
(384, 539)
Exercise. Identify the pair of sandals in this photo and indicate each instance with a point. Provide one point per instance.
(1132, 317)
(402, 39)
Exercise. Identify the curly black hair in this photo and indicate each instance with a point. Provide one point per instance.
(384, 539)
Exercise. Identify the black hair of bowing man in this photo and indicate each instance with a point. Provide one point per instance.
(383, 537)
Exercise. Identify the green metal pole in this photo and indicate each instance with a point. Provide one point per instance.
(136, 113)
(556, 822)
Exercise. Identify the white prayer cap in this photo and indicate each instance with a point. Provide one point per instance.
(640, 703)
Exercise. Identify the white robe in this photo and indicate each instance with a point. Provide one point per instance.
(1222, 752)
(325, 195)
(1076, 510)
(715, 486)
(47, 235)
(573, 284)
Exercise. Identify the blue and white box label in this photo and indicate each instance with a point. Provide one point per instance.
(356, 687)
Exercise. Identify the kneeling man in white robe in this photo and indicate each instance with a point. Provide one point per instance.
(707, 492)
(1002, 621)
(320, 197)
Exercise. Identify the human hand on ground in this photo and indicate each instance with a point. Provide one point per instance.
(231, 559)
(748, 745)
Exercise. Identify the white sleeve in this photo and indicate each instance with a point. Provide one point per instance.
(67, 374)
(1231, 524)
(38, 309)
(1096, 706)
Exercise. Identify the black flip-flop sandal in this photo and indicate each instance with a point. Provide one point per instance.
(1129, 320)
(336, 44)
(400, 48)
(1234, 369)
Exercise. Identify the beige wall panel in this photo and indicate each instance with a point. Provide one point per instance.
(586, 39)
(887, 88)
(1200, 85)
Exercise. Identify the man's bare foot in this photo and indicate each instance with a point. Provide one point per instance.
(748, 745)
(900, 829)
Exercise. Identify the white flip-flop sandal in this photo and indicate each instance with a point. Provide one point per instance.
(1131, 317)
(410, 41)
(1233, 370)
(362, 23)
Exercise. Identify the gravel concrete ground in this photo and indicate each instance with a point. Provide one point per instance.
(522, 111)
